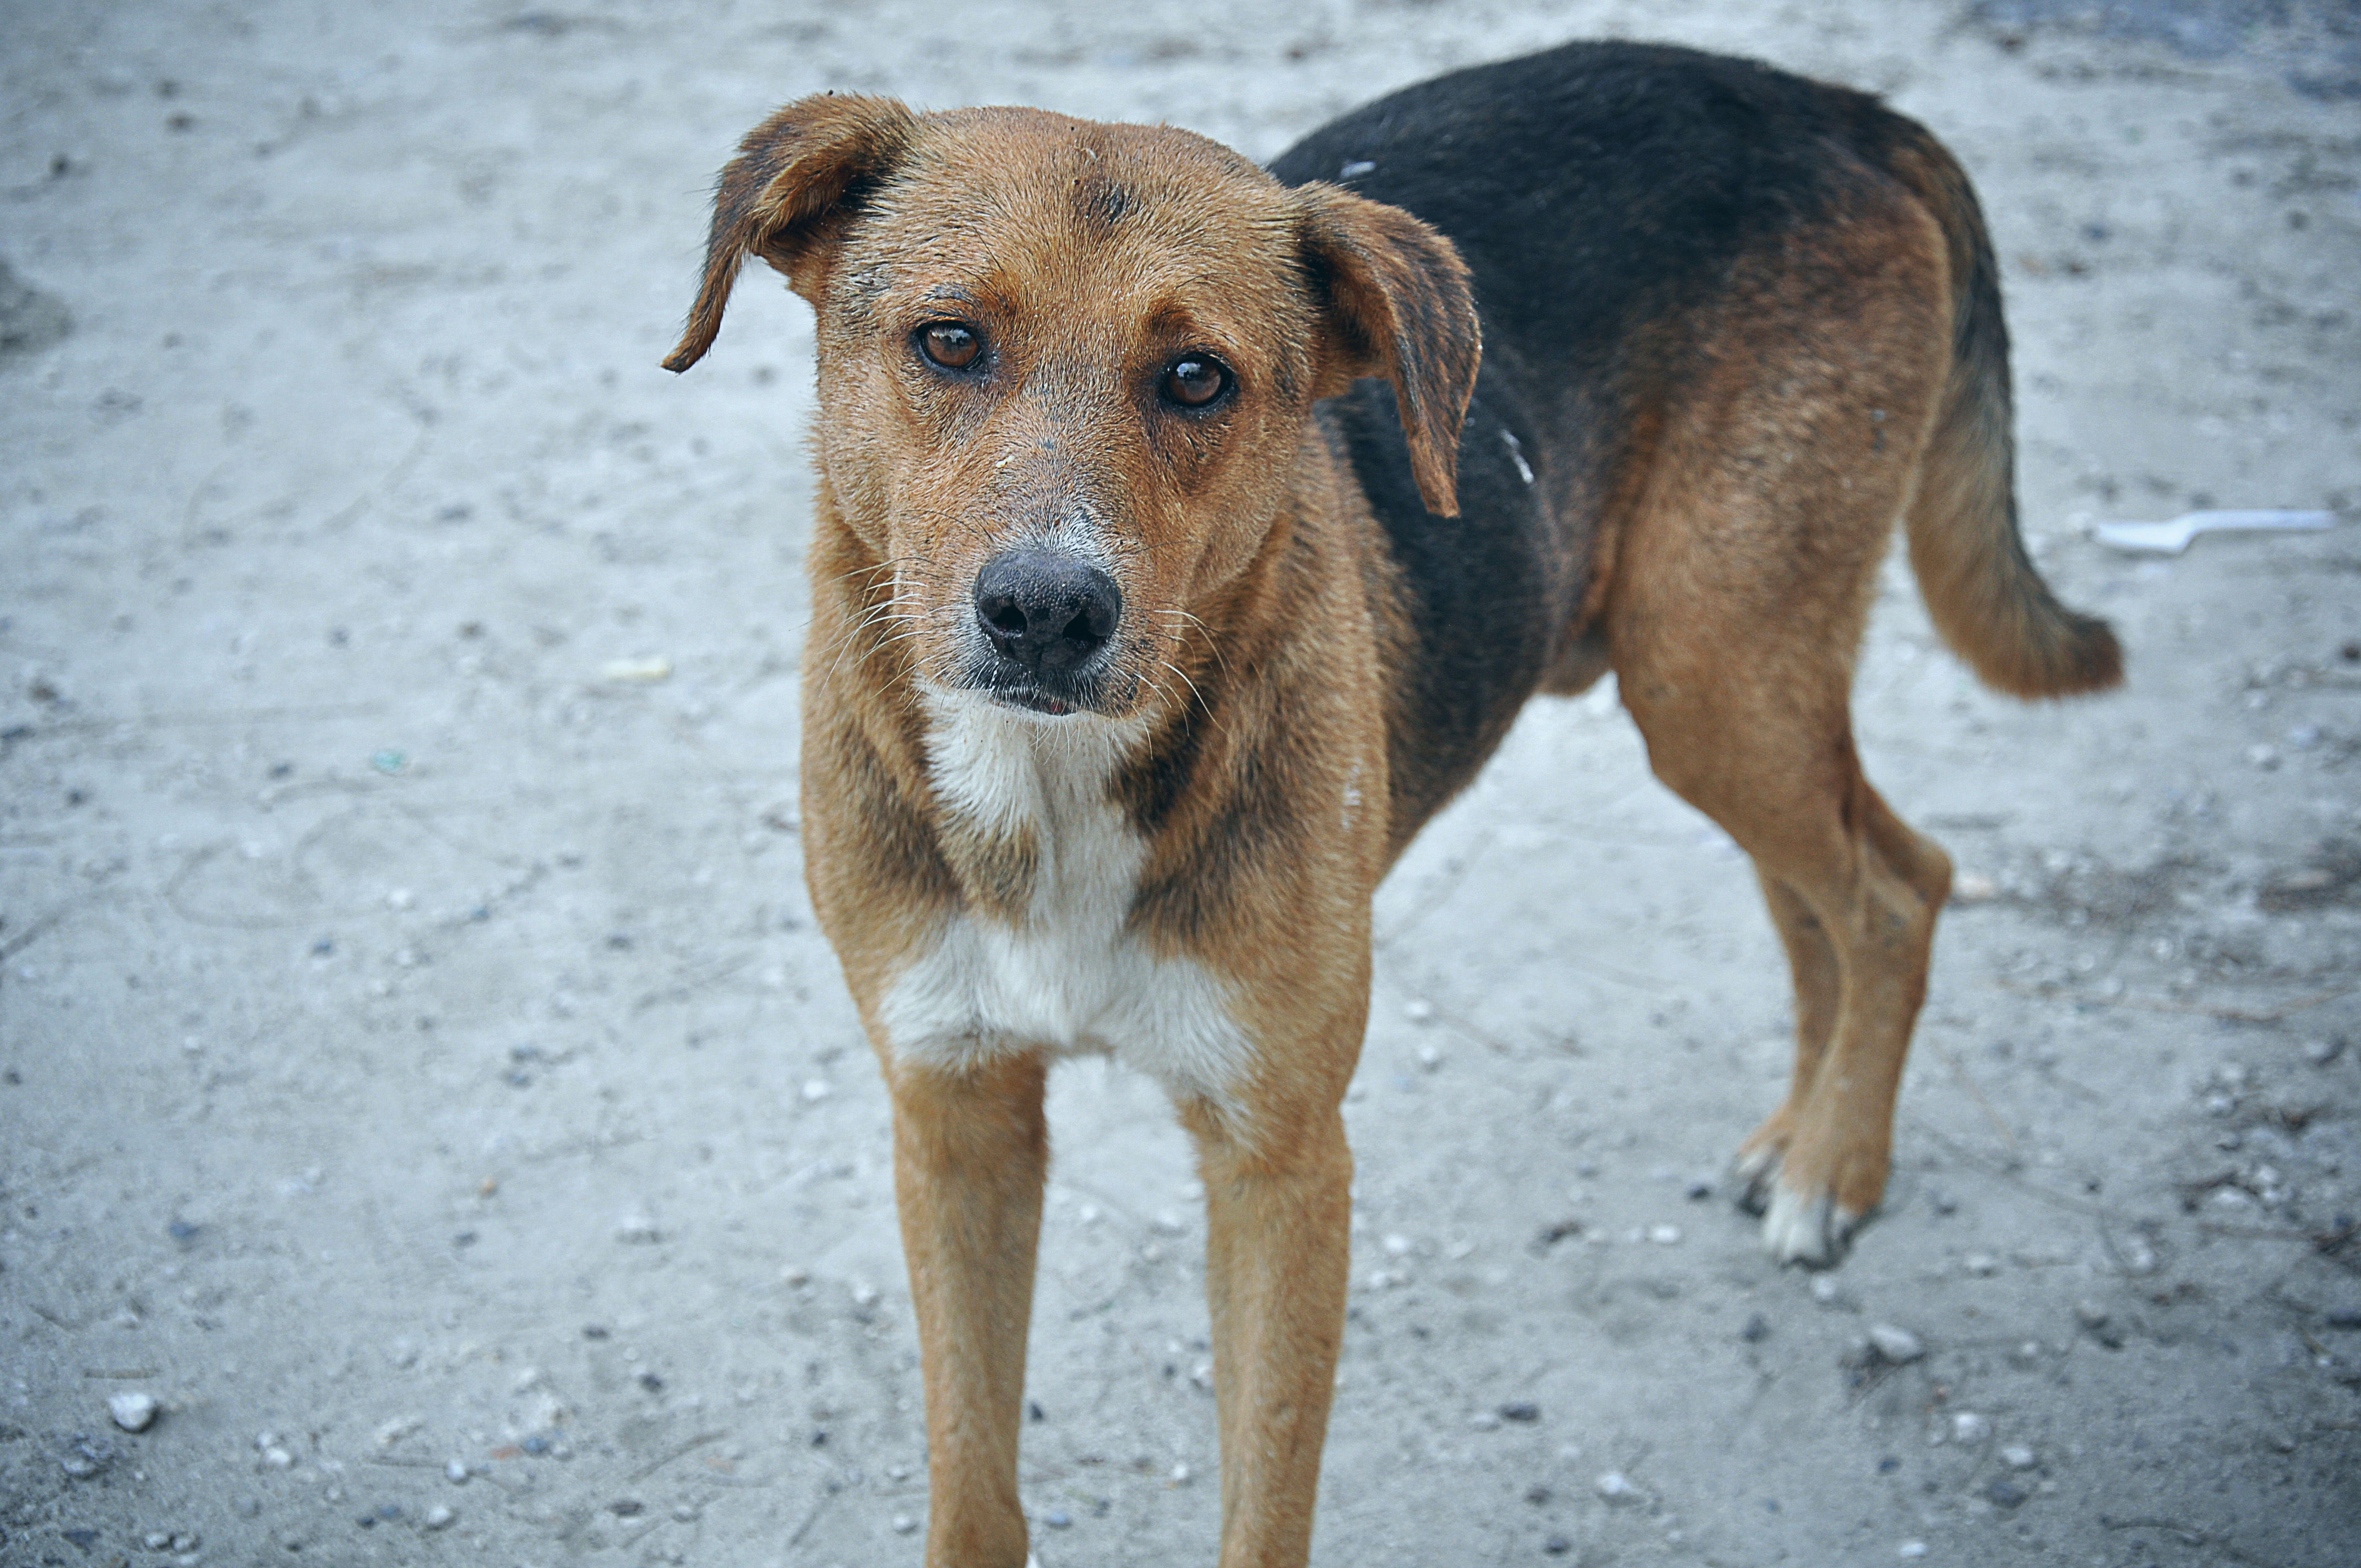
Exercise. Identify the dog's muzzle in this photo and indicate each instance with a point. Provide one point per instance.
(1048, 617)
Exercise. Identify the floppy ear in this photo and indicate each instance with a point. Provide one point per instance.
(1397, 304)
(792, 173)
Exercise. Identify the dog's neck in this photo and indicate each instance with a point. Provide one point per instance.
(1008, 774)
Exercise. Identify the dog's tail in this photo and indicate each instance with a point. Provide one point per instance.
(1982, 590)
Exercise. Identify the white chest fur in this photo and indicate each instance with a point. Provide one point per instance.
(1069, 977)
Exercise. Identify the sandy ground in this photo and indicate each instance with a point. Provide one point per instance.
(420, 1074)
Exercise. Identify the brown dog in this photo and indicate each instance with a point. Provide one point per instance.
(1146, 631)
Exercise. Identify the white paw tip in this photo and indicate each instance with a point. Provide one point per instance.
(1809, 1229)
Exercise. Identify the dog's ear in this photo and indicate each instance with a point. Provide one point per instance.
(1397, 304)
(774, 200)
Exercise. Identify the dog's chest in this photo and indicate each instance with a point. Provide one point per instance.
(1068, 975)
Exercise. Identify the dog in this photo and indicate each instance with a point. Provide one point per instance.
(1187, 533)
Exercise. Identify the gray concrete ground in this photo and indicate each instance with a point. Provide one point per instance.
(420, 1077)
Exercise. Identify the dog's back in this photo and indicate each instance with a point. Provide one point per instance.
(1603, 195)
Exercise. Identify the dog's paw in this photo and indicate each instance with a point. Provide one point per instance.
(1754, 1171)
(1812, 1229)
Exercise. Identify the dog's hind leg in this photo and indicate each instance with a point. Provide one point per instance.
(1855, 894)
(1741, 588)
(971, 1155)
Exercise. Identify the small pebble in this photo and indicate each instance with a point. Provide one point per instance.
(1616, 1488)
(185, 1542)
(1429, 1057)
(1485, 1421)
(1418, 1011)
(904, 1524)
(865, 1296)
(133, 1411)
(1896, 1344)
(1664, 1236)
(1057, 1520)
(456, 1473)
(1699, 1190)
(2089, 1314)
(2006, 1494)
(2320, 1053)
(1557, 1546)
(439, 1518)
(1824, 1289)
(637, 1229)
(816, 1089)
(1398, 1245)
(1521, 1411)
(1913, 1549)
(1180, 1474)
(1982, 1265)
(2016, 1456)
(155, 1540)
(1967, 1426)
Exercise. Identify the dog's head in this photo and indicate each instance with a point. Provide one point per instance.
(1066, 368)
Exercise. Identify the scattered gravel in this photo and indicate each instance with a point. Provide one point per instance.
(2006, 1494)
(133, 1411)
(1897, 1345)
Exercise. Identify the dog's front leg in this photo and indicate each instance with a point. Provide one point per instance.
(1278, 1209)
(971, 1152)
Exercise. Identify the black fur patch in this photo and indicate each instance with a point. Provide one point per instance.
(1597, 192)
(1100, 201)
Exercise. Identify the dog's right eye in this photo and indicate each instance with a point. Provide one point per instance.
(950, 345)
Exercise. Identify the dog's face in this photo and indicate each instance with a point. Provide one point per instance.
(1065, 370)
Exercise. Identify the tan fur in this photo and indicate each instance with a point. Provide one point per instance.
(1243, 739)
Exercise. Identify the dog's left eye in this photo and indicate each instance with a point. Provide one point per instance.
(951, 345)
(1194, 380)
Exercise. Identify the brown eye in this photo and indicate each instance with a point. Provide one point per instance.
(1194, 381)
(949, 345)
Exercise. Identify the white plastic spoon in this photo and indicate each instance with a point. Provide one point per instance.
(2172, 538)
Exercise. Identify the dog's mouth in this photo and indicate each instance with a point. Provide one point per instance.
(1032, 700)
(1052, 694)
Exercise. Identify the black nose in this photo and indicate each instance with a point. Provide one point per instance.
(1048, 610)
